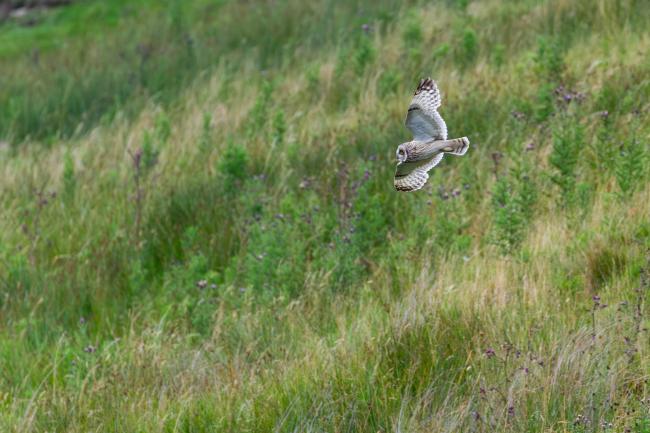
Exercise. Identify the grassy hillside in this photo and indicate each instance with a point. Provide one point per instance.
(199, 232)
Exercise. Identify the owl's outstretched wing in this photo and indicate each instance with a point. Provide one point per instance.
(409, 177)
(422, 118)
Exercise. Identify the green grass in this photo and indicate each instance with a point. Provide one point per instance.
(55, 28)
(199, 230)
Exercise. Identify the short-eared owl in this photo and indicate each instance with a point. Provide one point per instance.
(415, 158)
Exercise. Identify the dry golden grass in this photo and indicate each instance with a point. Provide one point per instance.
(437, 329)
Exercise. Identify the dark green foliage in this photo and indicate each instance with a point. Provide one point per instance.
(360, 228)
(513, 202)
(468, 46)
(277, 281)
(567, 283)
(412, 37)
(412, 33)
(507, 217)
(544, 102)
(192, 288)
(498, 54)
(584, 195)
(342, 61)
(460, 4)
(568, 141)
(630, 166)
(17, 277)
(415, 56)
(150, 152)
(451, 221)
(176, 15)
(149, 50)
(80, 96)
(364, 54)
(604, 262)
(258, 117)
(275, 262)
(549, 61)
(205, 142)
(604, 147)
(283, 242)
(162, 128)
(389, 82)
(233, 167)
(527, 194)
(69, 178)
(313, 81)
(440, 52)
(279, 127)
(371, 221)
(549, 66)
(195, 218)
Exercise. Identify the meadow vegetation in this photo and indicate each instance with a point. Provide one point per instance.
(199, 232)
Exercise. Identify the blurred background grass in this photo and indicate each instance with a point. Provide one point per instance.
(199, 230)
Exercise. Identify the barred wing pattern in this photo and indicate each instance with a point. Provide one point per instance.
(422, 118)
(409, 179)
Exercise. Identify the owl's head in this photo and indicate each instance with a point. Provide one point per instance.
(402, 153)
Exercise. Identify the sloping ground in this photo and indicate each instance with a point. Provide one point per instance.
(19, 9)
(233, 257)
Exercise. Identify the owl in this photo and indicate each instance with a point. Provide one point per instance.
(415, 158)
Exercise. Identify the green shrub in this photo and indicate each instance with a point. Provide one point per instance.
(278, 246)
(364, 54)
(388, 82)
(162, 129)
(258, 116)
(17, 277)
(544, 105)
(233, 167)
(527, 194)
(342, 61)
(415, 56)
(630, 166)
(238, 276)
(468, 46)
(191, 288)
(549, 61)
(514, 196)
(440, 52)
(279, 127)
(450, 223)
(150, 152)
(370, 221)
(603, 147)
(138, 278)
(568, 141)
(507, 216)
(549, 66)
(313, 81)
(412, 33)
(498, 54)
(460, 4)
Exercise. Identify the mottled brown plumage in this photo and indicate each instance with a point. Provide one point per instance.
(415, 158)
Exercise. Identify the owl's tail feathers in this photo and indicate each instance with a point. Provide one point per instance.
(458, 146)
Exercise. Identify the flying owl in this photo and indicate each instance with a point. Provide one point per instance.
(415, 158)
